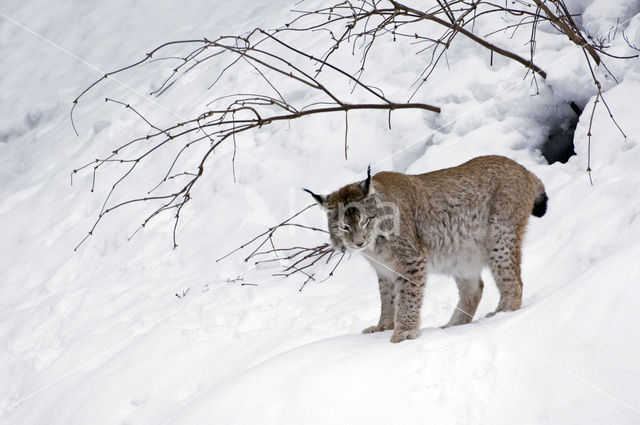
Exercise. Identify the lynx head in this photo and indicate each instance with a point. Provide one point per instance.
(352, 213)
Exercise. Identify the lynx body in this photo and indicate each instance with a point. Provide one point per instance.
(454, 221)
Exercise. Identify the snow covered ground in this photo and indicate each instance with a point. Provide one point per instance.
(98, 336)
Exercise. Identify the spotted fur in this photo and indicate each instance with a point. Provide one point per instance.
(454, 221)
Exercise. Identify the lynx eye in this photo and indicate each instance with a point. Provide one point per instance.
(344, 228)
(365, 222)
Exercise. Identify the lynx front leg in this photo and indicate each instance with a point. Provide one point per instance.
(387, 309)
(410, 288)
(470, 291)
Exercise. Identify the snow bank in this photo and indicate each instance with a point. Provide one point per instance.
(99, 336)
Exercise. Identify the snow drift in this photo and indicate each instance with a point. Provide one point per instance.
(99, 336)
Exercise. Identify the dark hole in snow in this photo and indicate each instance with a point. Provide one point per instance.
(559, 144)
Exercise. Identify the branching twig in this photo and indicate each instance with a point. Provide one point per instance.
(242, 113)
(285, 67)
(293, 260)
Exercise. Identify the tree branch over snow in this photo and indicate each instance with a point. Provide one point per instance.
(292, 260)
(286, 68)
(242, 113)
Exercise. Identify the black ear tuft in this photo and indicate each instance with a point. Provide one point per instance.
(366, 185)
(321, 199)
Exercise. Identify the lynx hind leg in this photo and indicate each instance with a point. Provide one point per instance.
(387, 309)
(410, 289)
(470, 291)
(504, 262)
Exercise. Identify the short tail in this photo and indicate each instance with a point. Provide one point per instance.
(540, 205)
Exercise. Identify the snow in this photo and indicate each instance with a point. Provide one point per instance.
(99, 336)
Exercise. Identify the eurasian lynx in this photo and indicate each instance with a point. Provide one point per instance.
(452, 221)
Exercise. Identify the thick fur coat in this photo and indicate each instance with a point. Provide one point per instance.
(454, 221)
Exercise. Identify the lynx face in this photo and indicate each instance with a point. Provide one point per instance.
(353, 225)
(357, 216)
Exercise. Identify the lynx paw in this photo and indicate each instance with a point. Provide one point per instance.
(502, 310)
(401, 335)
(512, 304)
(376, 328)
(451, 323)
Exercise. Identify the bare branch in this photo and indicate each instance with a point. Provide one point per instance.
(284, 68)
(307, 261)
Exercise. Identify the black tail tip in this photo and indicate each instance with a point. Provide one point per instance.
(540, 206)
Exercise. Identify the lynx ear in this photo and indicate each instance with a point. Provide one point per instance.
(320, 199)
(367, 188)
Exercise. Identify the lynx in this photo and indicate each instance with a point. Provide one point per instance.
(454, 221)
